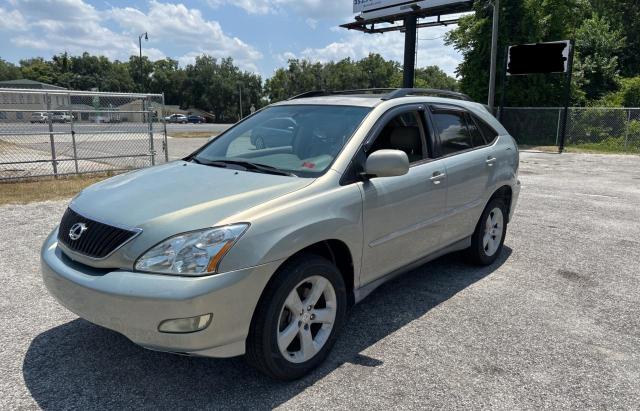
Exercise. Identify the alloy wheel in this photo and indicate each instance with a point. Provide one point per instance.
(306, 319)
(493, 230)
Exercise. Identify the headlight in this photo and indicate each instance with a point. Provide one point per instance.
(194, 254)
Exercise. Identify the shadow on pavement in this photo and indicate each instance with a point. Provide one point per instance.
(80, 365)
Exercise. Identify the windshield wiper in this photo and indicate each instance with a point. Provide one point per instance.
(209, 163)
(247, 165)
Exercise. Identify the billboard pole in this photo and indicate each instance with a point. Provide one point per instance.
(410, 23)
(494, 54)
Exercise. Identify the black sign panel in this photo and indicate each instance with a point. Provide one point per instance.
(538, 58)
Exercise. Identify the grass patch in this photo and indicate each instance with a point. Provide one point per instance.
(28, 191)
(192, 134)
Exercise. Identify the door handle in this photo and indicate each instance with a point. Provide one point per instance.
(491, 161)
(437, 177)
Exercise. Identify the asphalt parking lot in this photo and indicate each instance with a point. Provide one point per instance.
(555, 323)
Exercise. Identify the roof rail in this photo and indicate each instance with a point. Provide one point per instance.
(388, 93)
(309, 94)
(320, 93)
(404, 92)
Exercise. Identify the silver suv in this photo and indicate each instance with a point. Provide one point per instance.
(239, 249)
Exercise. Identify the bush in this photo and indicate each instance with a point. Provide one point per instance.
(631, 92)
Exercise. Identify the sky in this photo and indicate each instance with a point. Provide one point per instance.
(260, 35)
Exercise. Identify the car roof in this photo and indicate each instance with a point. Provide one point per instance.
(395, 97)
(375, 97)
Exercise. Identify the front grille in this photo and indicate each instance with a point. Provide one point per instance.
(98, 240)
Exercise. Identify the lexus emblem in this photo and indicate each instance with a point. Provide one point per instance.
(77, 230)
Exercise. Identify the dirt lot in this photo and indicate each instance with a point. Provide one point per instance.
(554, 323)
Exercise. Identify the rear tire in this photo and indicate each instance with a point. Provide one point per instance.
(487, 240)
(298, 318)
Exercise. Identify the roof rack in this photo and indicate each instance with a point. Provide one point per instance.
(388, 93)
(405, 92)
(320, 93)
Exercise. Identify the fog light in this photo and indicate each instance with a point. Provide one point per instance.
(185, 325)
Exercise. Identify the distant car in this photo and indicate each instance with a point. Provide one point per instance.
(277, 132)
(107, 119)
(177, 118)
(38, 117)
(196, 119)
(59, 117)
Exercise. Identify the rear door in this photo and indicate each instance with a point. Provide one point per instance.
(469, 163)
(402, 215)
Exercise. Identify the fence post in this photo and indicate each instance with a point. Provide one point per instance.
(54, 163)
(164, 127)
(558, 129)
(150, 123)
(73, 138)
(626, 131)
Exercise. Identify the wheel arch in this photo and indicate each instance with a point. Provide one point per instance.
(506, 194)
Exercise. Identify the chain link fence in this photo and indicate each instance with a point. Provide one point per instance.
(55, 133)
(615, 130)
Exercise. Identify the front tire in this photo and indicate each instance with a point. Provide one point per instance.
(298, 318)
(487, 240)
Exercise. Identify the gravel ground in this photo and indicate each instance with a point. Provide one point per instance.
(554, 323)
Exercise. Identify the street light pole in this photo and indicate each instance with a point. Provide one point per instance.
(146, 38)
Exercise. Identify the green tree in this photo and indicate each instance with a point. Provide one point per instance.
(37, 69)
(597, 67)
(624, 16)
(301, 76)
(8, 71)
(140, 71)
(525, 21)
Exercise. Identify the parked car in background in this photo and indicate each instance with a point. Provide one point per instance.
(277, 132)
(39, 117)
(177, 118)
(238, 251)
(61, 117)
(196, 119)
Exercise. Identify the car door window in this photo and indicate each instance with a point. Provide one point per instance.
(404, 132)
(477, 138)
(452, 129)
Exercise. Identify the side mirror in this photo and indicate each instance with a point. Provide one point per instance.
(387, 163)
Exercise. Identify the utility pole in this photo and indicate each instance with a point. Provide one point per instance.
(146, 38)
(240, 90)
(494, 53)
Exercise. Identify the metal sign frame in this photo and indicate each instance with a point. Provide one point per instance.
(408, 12)
(566, 53)
(568, 74)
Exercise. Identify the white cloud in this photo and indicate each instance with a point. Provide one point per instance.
(75, 26)
(391, 46)
(68, 25)
(313, 23)
(309, 8)
(176, 24)
(12, 20)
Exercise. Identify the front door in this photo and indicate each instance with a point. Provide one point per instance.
(402, 215)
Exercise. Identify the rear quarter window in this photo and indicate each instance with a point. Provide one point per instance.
(488, 132)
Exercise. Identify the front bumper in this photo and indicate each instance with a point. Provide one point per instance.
(134, 304)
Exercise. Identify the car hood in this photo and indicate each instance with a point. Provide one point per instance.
(180, 196)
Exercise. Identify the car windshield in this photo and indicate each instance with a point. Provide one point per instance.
(299, 139)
